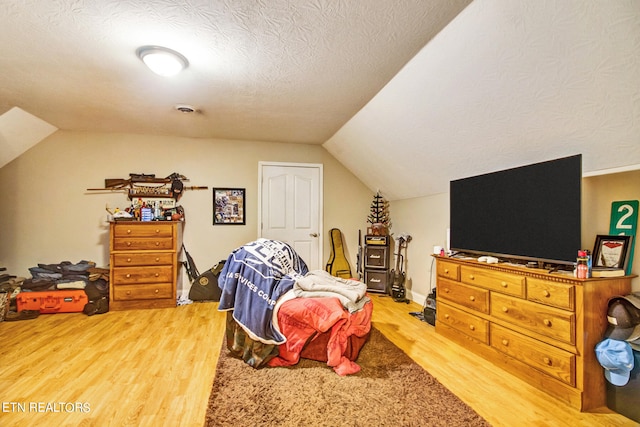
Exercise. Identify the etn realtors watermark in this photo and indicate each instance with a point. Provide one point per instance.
(44, 407)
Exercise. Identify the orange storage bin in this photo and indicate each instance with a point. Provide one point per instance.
(49, 302)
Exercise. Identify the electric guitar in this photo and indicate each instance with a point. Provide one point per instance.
(398, 291)
(338, 265)
(359, 258)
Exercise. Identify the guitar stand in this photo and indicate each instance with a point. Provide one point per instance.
(398, 290)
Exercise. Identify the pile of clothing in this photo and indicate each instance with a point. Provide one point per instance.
(9, 288)
(615, 352)
(65, 275)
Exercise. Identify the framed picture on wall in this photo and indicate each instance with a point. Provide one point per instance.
(229, 206)
(611, 251)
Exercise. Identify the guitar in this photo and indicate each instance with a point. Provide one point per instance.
(359, 257)
(398, 291)
(338, 265)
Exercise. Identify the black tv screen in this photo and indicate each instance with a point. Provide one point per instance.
(528, 213)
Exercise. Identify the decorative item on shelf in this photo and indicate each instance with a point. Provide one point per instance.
(379, 216)
(147, 185)
(152, 199)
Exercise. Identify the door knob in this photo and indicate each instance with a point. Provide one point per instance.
(313, 234)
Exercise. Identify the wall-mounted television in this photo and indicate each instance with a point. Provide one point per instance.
(529, 213)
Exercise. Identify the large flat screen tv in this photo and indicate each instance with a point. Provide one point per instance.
(530, 213)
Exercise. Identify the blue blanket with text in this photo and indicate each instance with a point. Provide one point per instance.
(253, 278)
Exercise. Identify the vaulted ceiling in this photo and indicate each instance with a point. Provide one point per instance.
(276, 70)
(407, 94)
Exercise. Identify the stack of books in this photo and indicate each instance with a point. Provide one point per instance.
(607, 272)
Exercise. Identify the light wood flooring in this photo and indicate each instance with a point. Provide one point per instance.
(156, 368)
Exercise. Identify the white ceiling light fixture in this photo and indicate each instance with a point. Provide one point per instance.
(161, 60)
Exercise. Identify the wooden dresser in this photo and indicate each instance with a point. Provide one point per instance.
(541, 327)
(144, 264)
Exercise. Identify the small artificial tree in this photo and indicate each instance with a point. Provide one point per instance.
(379, 215)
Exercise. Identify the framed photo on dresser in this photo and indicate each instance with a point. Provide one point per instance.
(611, 251)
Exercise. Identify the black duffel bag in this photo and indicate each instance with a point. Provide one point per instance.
(205, 286)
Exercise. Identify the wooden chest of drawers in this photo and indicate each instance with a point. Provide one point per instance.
(144, 264)
(541, 327)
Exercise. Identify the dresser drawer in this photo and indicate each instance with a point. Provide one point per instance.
(552, 361)
(448, 270)
(142, 259)
(468, 296)
(142, 292)
(142, 244)
(551, 293)
(547, 321)
(143, 230)
(506, 283)
(464, 322)
(132, 275)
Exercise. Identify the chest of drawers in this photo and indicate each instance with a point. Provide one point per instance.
(540, 327)
(144, 264)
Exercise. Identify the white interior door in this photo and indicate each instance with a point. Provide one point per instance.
(291, 208)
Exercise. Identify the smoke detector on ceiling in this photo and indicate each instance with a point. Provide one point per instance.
(183, 108)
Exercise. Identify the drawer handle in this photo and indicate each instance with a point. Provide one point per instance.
(157, 259)
(128, 259)
(128, 292)
(504, 284)
(547, 361)
(546, 322)
(473, 328)
(446, 316)
(128, 231)
(157, 231)
(374, 256)
(157, 243)
(127, 275)
(446, 290)
(446, 271)
(471, 277)
(128, 243)
(546, 293)
(157, 274)
(472, 298)
(505, 309)
(156, 291)
(505, 342)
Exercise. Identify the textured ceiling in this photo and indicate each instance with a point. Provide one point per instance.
(506, 83)
(407, 94)
(269, 70)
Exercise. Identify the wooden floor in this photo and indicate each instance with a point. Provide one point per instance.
(156, 368)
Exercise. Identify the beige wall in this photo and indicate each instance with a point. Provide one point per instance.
(426, 219)
(47, 216)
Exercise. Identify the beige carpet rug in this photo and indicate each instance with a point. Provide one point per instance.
(390, 390)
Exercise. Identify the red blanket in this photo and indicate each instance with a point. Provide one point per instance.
(303, 319)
